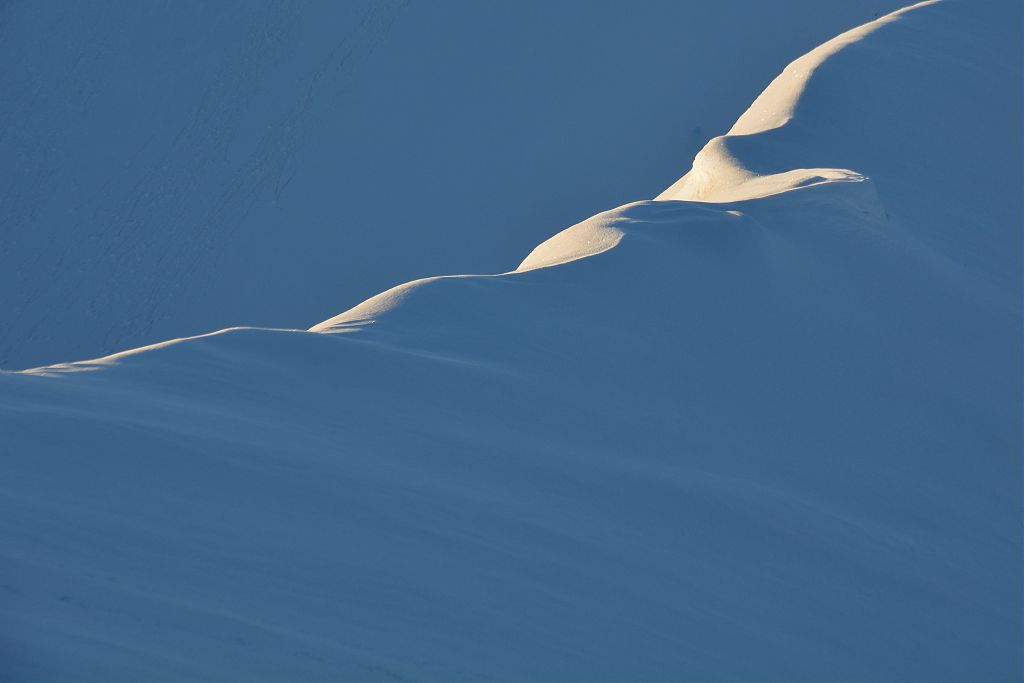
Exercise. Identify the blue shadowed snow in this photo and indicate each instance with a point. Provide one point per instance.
(767, 433)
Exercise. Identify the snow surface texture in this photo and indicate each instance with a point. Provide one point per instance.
(766, 428)
(170, 168)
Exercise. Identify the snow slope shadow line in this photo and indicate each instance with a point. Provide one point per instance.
(741, 164)
(728, 173)
(597, 236)
(721, 185)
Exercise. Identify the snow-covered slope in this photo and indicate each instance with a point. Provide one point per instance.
(765, 428)
(169, 168)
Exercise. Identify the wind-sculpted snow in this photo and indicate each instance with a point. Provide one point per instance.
(919, 120)
(170, 167)
(773, 434)
(593, 236)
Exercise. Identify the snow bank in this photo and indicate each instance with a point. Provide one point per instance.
(171, 168)
(775, 438)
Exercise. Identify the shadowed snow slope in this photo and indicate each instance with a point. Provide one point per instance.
(169, 167)
(770, 435)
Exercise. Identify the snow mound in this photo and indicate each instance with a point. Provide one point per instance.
(905, 102)
(589, 238)
(775, 438)
(720, 172)
(266, 162)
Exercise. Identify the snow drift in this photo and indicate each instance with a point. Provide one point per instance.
(170, 169)
(766, 427)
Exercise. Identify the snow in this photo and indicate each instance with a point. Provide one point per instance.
(765, 427)
(172, 170)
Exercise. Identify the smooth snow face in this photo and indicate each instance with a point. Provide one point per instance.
(768, 439)
(592, 236)
(943, 155)
(174, 167)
